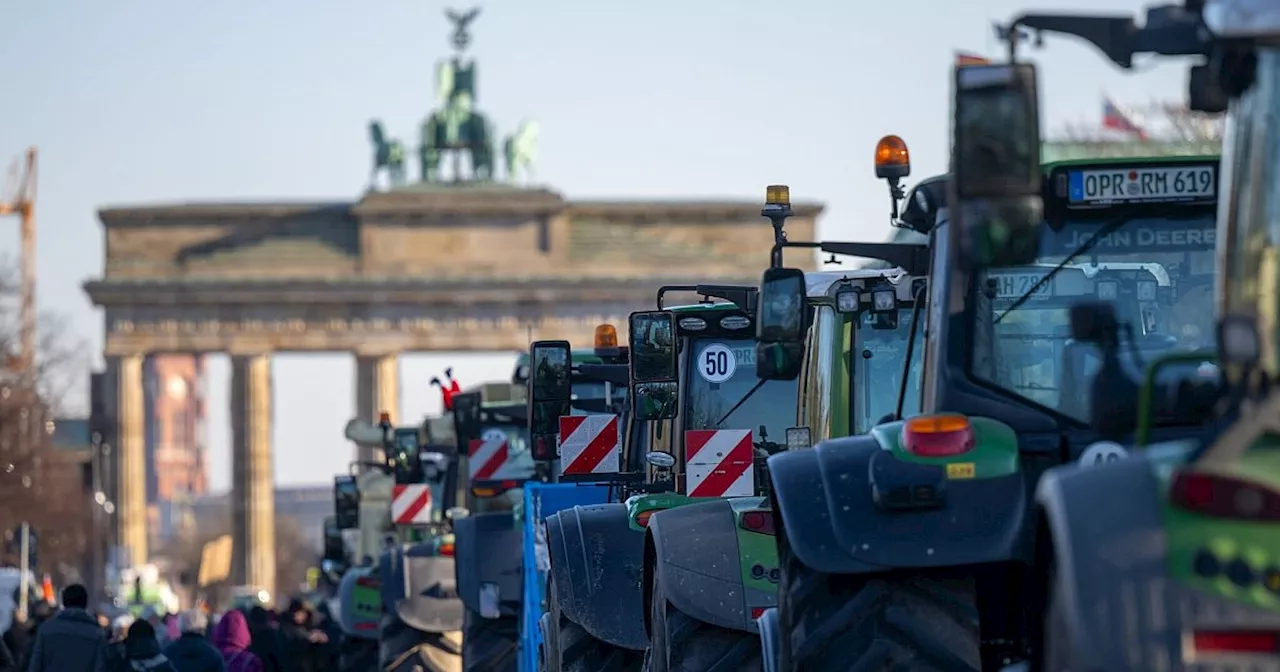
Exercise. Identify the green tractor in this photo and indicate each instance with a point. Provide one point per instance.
(913, 546)
(1167, 556)
(710, 565)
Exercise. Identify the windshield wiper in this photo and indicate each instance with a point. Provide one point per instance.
(1084, 247)
(743, 400)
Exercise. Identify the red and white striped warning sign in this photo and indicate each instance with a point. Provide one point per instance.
(411, 504)
(718, 463)
(485, 457)
(590, 444)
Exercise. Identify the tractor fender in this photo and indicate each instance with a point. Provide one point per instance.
(487, 549)
(1120, 606)
(693, 551)
(359, 604)
(420, 588)
(838, 528)
(597, 560)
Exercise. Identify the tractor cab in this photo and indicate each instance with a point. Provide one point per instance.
(708, 416)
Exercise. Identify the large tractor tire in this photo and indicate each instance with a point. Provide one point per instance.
(679, 643)
(489, 645)
(875, 622)
(568, 647)
(404, 649)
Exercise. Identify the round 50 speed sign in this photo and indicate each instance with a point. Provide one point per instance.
(716, 363)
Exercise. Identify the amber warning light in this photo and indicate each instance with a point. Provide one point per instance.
(893, 160)
(937, 435)
(384, 418)
(777, 194)
(606, 337)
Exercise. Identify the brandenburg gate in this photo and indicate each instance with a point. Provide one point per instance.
(424, 267)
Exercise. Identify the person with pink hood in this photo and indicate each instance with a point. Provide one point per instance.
(231, 638)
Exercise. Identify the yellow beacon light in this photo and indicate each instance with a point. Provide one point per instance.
(606, 336)
(893, 161)
(606, 342)
(777, 194)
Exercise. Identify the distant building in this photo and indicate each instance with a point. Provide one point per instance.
(307, 505)
(176, 445)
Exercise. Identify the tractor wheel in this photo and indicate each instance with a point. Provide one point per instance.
(402, 648)
(489, 645)
(680, 643)
(576, 650)
(875, 622)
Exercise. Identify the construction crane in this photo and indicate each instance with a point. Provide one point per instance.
(21, 201)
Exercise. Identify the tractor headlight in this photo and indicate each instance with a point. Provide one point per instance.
(1108, 290)
(798, 437)
(884, 300)
(847, 300)
(1147, 290)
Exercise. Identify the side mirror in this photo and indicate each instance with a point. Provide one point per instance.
(334, 548)
(781, 312)
(995, 164)
(456, 513)
(466, 418)
(346, 502)
(653, 346)
(655, 401)
(779, 361)
(655, 365)
(550, 387)
(1184, 388)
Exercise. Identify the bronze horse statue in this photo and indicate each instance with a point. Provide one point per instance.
(457, 129)
(388, 155)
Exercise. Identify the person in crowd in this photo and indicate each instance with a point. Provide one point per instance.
(7, 663)
(18, 638)
(70, 641)
(301, 641)
(266, 641)
(115, 640)
(232, 640)
(328, 652)
(156, 619)
(172, 628)
(142, 650)
(191, 650)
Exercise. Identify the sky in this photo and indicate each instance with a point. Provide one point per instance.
(146, 101)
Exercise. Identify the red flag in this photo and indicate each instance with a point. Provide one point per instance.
(964, 58)
(1117, 120)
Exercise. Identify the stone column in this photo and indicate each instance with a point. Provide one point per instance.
(126, 403)
(377, 390)
(253, 504)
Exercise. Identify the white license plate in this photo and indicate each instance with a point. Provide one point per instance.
(744, 356)
(1142, 184)
(1014, 285)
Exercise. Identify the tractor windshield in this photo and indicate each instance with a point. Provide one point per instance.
(1155, 270)
(878, 355)
(723, 392)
